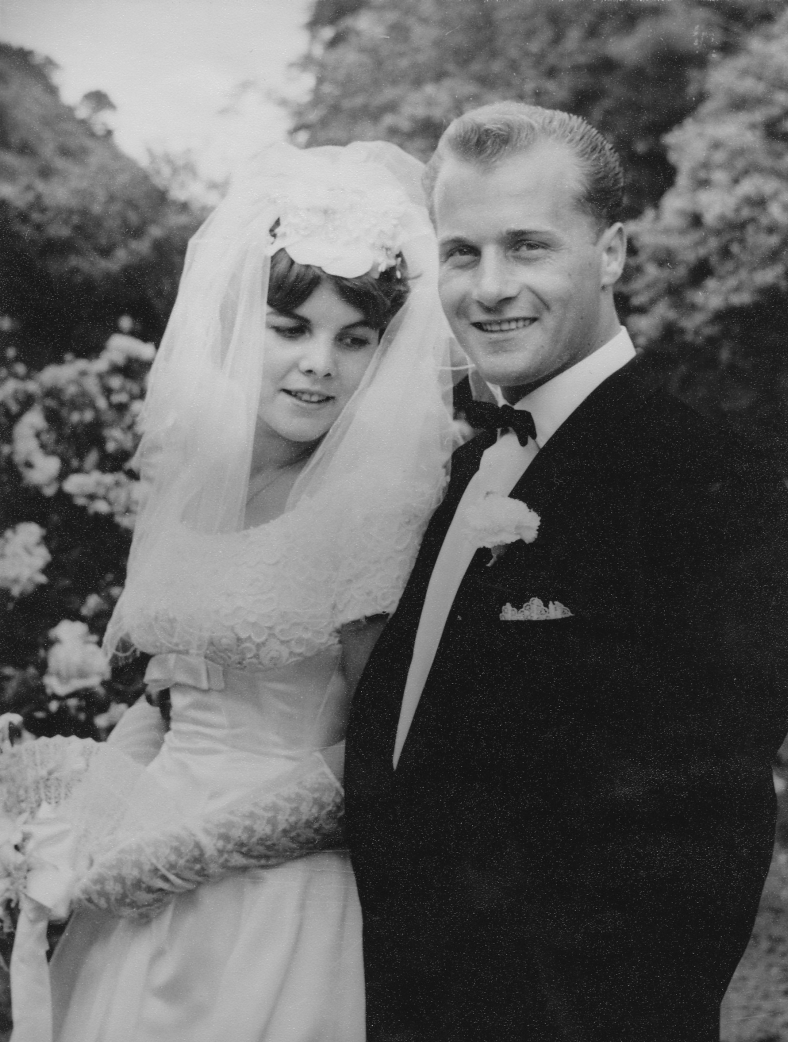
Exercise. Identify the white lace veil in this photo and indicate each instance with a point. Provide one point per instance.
(385, 456)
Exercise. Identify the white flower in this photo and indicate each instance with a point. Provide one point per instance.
(99, 493)
(13, 866)
(496, 520)
(76, 374)
(122, 348)
(74, 662)
(35, 466)
(93, 604)
(22, 558)
(10, 830)
(13, 389)
(38, 857)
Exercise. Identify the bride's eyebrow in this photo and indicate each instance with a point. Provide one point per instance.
(363, 322)
(293, 315)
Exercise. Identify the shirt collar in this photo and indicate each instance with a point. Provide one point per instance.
(553, 402)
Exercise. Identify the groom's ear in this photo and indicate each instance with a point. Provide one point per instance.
(613, 254)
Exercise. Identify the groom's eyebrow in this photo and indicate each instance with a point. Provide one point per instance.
(514, 234)
(507, 237)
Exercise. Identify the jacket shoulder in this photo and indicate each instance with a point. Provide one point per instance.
(668, 437)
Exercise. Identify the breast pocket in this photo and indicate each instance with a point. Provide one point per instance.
(528, 600)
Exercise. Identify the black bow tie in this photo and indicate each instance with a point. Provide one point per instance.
(485, 416)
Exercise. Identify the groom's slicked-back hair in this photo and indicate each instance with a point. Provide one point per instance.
(507, 128)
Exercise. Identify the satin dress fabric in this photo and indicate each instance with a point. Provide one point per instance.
(264, 955)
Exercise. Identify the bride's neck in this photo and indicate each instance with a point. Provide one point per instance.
(276, 463)
(273, 453)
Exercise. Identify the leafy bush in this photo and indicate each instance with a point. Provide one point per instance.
(709, 290)
(634, 68)
(85, 233)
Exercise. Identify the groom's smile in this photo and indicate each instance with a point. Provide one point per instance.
(525, 274)
(507, 325)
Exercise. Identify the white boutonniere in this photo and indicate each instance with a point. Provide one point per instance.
(497, 521)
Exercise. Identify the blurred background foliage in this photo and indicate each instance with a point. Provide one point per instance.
(709, 284)
(85, 233)
(694, 94)
(633, 68)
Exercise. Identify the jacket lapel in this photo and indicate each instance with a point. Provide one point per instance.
(590, 430)
(464, 464)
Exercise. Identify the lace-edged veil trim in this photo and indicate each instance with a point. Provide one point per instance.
(379, 471)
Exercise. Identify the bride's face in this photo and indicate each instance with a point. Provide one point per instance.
(315, 357)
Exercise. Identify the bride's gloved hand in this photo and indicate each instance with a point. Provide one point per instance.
(296, 814)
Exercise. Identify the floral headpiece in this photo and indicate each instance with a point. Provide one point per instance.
(342, 222)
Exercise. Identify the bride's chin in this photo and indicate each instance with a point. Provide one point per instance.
(306, 434)
(298, 428)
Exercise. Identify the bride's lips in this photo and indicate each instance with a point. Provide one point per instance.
(304, 397)
(503, 325)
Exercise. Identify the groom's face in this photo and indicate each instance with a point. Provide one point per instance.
(525, 275)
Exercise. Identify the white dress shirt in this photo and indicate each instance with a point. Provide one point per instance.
(501, 467)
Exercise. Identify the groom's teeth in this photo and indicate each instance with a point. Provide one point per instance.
(504, 325)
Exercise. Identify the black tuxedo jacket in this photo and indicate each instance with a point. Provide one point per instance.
(575, 839)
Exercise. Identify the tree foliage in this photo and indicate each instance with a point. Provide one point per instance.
(85, 234)
(402, 69)
(710, 288)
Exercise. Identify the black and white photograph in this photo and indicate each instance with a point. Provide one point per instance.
(393, 521)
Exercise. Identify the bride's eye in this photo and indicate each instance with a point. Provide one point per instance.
(288, 331)
(357, 341)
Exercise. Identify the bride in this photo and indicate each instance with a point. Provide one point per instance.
(293, 453)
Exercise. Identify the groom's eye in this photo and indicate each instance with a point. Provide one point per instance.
(527, 246)
(458, 251)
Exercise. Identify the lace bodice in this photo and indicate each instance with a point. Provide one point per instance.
(276, 593)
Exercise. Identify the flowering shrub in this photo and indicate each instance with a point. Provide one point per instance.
(75, 662)
(67, 508)
(22, 558)
(35, 466)
(114, 494)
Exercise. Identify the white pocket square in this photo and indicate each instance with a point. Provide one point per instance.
(534, 611)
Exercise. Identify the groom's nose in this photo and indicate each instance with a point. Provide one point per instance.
(494, 282)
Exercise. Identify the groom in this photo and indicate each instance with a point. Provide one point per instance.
(558, 783)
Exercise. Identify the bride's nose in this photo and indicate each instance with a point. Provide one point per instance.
(318, 357)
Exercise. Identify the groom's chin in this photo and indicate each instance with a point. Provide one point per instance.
(510, 385)
(503, 370)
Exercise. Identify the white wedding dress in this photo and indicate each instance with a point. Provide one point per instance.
(244, 631)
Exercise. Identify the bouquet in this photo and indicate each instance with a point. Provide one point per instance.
(39, 856)
(62, 801)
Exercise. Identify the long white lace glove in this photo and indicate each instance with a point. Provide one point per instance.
(299, 813)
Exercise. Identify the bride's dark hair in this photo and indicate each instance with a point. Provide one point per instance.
(378, 299)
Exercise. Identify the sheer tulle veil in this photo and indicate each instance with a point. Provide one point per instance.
(387, 454)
